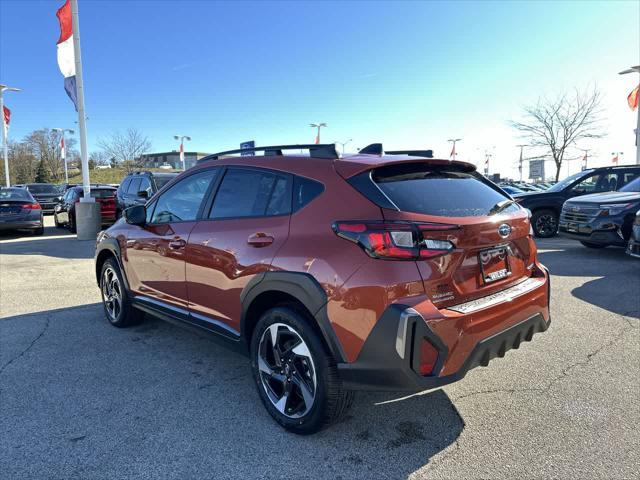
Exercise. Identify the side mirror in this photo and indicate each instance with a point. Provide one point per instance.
(143, 194)
(136, 215)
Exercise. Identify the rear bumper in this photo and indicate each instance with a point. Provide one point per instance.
(463, 342)
(21, 225)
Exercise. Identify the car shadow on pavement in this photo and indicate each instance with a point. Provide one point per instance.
(609, 265)
(56, 242)
(160, 400)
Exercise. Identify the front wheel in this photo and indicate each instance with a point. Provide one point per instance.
(593, 245)
(296, 377)
(544, 223)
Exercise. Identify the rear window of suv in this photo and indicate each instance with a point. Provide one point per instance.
(438, 190)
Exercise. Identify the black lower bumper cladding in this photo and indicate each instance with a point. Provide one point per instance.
(380, 367)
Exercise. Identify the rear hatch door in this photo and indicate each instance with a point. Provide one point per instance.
(490, 233)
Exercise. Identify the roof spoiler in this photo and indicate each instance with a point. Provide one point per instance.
(377, 149)
(327, 150)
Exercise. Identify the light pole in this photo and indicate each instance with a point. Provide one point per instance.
(5, 150)
(453, 154)
(635, 69)
(318, 126)
(182, 138)
(63, 149)
(520, 161)
(344, 144)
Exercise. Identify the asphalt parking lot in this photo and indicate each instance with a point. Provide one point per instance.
(81, 399)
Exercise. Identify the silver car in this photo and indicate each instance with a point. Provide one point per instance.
(20, 211)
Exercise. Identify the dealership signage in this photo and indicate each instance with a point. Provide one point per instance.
(246, 145)
(536, 169)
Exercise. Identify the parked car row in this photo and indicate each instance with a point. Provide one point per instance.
(20, 211)
(598, 218)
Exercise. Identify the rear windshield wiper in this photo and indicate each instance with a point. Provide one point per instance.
(498, 207)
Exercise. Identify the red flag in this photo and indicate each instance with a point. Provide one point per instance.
(632, 99)
(615, 159)
(7, 115)
(64, 16)
(318, 140)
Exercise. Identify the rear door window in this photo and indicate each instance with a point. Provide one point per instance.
(125, 185)
(252, 193)
(438, 190)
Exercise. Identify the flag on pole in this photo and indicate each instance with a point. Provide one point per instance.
(318, 139)
(66, 57)
(182, 154)
(6, 118)
(632, 99)
(615, 159)
(62, 152)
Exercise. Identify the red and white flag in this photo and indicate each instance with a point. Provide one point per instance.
(62, 151)
(615, 159)
(6, 118)
(66, 54)
(182, 154)
(632, 99)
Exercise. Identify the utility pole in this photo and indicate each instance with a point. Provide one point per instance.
(318, 126)
(63, 149)
(182, 138)
(5, 147)
(453, 154)
(635, 69)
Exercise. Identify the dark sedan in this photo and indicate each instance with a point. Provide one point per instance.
(45, 193)
(20, 211)
(602, 219)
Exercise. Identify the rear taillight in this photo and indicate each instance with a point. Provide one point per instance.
(428, 357)
(397, 240)
(32, 206)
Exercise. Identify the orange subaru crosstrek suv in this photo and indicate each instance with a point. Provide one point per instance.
(373, 271)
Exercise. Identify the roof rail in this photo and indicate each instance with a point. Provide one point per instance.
(327, 150)
(377, 149)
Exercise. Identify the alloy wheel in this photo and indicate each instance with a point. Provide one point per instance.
(286, 369)
(111, 293)
(546, 225)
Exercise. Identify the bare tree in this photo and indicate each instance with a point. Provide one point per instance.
(556, 126)
(126, 147)
(99, 157)
(45, 143)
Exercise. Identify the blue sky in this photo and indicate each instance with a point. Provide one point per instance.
(407, 74)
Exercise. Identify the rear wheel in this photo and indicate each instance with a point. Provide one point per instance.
(544, 223)
(115, 299)
(296, 377)
(593, 245)
(39, 231)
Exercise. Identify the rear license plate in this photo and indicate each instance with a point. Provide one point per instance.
(494, 264)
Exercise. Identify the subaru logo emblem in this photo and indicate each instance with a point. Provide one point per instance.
(504, 230)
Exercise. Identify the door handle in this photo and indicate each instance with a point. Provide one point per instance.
(177, 244)
(260, 239)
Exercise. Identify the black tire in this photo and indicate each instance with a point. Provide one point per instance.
(112, 286)
(544, 223)
(39, 231)
(330, 401)
(593, 245)
(72, 223)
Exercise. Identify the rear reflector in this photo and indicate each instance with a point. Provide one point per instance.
(428, 357)
(396, 240)
(32, 206)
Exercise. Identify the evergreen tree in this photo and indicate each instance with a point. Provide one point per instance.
(42, 174)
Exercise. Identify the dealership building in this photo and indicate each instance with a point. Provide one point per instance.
(171, 159)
